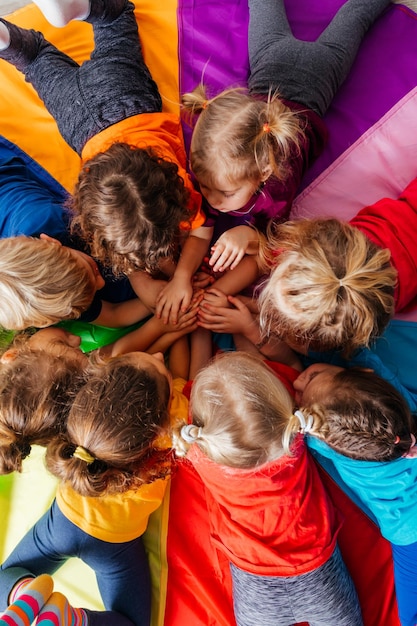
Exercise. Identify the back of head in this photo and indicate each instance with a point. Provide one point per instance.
(40, 284)
(128, 205)
(330, 288)
(364, 417)
(35, 391)
(240, 136)
(112, 426)
(240, 411)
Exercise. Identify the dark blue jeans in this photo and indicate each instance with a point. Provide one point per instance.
(121, 569)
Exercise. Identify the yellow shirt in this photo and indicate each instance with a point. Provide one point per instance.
(121, 517)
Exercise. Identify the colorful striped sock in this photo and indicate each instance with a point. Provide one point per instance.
(59, 612)
(27, 599)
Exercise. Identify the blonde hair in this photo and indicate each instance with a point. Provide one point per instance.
(241, 136)
(331, 287)
(240, 412)
(40, 284)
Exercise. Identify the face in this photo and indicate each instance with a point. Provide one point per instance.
(58, 342)
(316, 382)
(227, 196)
(143, 360)
(84, 260)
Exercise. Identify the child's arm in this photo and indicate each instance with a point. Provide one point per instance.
(234, 280)
(179, 358)
(146, 287)
(176, 295)
(232, 246)
(239, 321)
(119, 314)
(153, 336)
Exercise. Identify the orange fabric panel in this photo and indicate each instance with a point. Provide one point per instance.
(25, 121)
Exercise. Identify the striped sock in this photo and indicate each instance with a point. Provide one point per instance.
(59, 612)
(27, 599)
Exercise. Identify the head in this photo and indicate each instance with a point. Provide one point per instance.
(239, 142)
(355, 412)
(330, 287)
(36, 388)
(240, 412)
(110, 443)
(128, 205)
(43, 282)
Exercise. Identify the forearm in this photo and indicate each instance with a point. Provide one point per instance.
(119, 314)
(233, 281)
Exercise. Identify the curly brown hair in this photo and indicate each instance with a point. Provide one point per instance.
(128, 205)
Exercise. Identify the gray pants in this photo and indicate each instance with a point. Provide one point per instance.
(323, 597)
(85, 99)
(309, 73)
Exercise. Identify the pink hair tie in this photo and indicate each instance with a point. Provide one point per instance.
(397, 440)
(205, 104)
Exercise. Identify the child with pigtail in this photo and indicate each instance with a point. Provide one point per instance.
(269, 512)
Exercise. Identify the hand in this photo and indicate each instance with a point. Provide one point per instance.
(216, 298)
(201, 280)
(173, 298)
(231, 319)
(230, 248)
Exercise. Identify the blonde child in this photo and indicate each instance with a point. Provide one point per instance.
(269, 511)
(363, 434)
(250, 149)
(134, 202)
(112, 461)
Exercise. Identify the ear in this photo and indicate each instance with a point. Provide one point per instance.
(9, 355)
(50, 239)
(266, 173)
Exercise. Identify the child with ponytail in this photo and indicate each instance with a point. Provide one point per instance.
(112, 458)
(250, 148)
(269, 512)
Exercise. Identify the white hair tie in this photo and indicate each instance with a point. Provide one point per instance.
(306, 426)
(190, 433)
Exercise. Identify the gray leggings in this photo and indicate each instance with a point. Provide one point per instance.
(309, 73)
(323, 597)
(112, 85)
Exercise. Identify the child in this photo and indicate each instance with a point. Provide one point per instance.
(269, 512)
(367, 444)
(336, 285)
(249, 150)
(112, 463)
(135, 204)
(41, 283)
(40, 372)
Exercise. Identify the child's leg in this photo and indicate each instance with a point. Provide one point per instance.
(27, 598)
(309, 73)
(128, 89)
(58, 612)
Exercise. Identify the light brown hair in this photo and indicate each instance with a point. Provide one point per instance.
(128, 205)
(241, 136)
(115, 417)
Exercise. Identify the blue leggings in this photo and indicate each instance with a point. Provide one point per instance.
(307, 72)
(405, 573)
(121, 569)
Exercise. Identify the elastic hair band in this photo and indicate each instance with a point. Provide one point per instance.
(82, 454)
(205, 104)
(397, 440)
(190, 433)
(306, 426)
(266, 128)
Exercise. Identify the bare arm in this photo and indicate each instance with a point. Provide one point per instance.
(119, 314)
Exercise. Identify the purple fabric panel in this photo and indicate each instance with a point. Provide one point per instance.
(213, 47)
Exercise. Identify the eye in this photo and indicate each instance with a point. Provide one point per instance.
(229, 195)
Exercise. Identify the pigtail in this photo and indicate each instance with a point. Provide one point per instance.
(195, 101)
(13, 450)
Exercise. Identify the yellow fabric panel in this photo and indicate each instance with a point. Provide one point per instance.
(25, 121)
